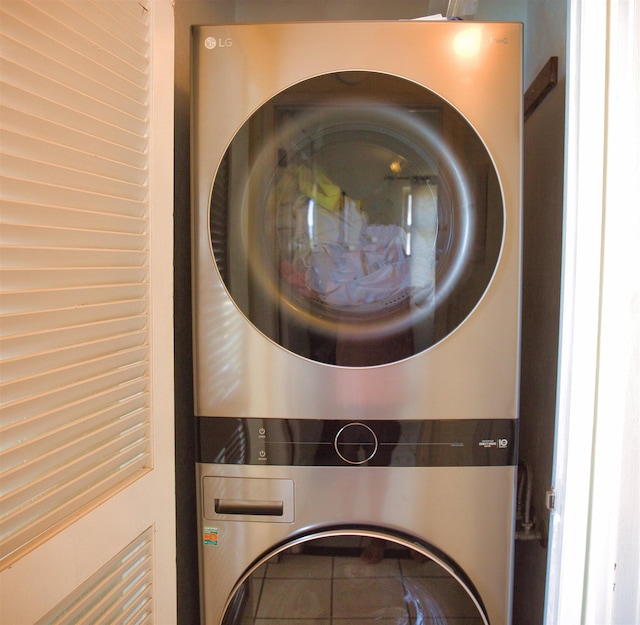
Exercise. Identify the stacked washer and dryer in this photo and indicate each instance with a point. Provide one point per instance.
(356, 262)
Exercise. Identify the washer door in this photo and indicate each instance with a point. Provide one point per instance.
(356, 219)
(353, 576)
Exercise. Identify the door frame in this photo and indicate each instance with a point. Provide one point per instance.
(598, 350)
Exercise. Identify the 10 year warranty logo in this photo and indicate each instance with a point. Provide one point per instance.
(488, 443)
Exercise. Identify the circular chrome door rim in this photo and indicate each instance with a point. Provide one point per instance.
(364, 533)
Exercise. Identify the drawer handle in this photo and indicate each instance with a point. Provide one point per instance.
(244, 506)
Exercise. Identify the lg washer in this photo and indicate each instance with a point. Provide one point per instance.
(356, 266)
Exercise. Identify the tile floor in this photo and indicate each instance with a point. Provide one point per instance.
(336, 587)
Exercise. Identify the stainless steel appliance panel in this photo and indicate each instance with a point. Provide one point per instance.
(472, 372)
(463, 514)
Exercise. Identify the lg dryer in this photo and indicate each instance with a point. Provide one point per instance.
(356, 219)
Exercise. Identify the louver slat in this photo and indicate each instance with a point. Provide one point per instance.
(120, 592)
(30, 170)
(62, 135)
(31, 300)
(53, 195)
(52, 152)
(105, 408)
(109, 110)
(52, 380)
(44, 360)
(74, 319)
(52, 46)
(67, 77)
(43, 474)
(98, 52)
(84, 491)
(47, 214)
(38, 341)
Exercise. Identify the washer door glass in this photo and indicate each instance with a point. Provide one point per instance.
(353, 577)
(356, 219)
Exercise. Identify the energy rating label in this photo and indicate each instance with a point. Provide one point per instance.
(210, 535)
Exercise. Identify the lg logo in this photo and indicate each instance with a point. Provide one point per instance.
(212, 42)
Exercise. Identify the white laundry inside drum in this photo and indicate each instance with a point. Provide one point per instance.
(340, 259)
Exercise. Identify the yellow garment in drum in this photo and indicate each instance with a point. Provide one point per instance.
(317, 186)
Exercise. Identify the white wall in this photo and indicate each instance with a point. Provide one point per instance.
(308, 10)
(291, 10)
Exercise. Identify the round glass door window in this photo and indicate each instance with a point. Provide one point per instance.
(338, 578)
(356, 219)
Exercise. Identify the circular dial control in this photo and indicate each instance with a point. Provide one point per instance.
(356, 443)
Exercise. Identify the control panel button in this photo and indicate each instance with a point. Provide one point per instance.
(356, 443)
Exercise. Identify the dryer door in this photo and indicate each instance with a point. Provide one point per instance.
(356, 219)
(353, 576)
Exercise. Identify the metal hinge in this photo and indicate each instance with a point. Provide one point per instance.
(550, 499)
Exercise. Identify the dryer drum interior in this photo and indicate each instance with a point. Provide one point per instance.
(354, 576)
(353, 212)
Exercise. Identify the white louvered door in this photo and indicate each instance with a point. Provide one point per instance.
(87, 531)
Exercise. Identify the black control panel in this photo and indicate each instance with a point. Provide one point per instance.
(332, 442)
